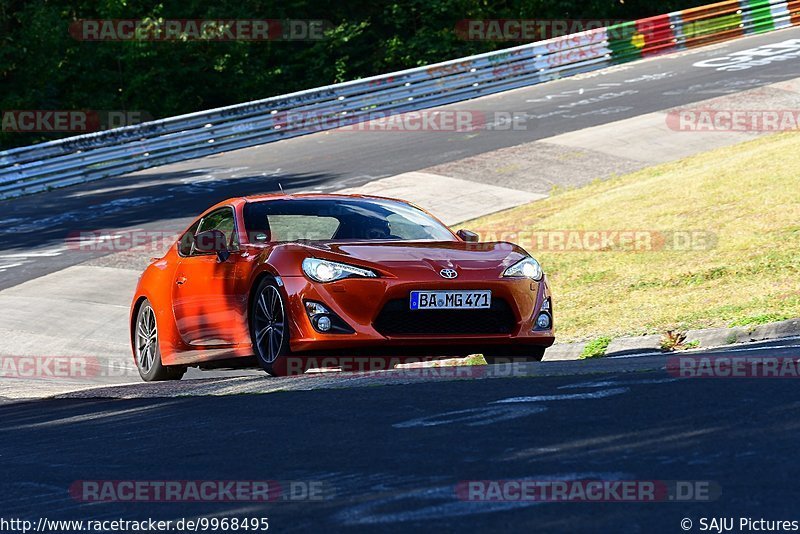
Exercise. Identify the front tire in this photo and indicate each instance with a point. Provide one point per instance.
(147, 351)
(269, 328)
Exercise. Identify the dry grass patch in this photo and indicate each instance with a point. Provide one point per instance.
(746, 198)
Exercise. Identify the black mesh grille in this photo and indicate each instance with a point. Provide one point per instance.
(397, 319)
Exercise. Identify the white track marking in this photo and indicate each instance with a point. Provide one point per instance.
(508, 410)
(570, 396)
(43, 254)
(25, 258)
(611, 383)
(473, 416)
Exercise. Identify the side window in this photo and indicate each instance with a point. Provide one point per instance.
(221, 220)
(187, 240)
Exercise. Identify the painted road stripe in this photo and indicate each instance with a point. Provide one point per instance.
(573, 396)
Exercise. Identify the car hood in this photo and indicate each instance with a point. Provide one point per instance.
(423, 255)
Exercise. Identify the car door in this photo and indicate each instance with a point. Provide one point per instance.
(207, 294)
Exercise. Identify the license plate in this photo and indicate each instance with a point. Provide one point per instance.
(451, 300)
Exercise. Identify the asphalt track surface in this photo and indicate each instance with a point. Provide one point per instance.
(389, 458)
(166, 198)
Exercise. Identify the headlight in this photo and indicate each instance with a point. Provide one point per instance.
(527, 268)
(328, 271)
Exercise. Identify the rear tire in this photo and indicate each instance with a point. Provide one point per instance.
(515, 355)
(147, 351)
(269, 328)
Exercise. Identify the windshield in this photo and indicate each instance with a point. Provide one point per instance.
(304, 219)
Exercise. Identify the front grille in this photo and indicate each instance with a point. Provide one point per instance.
(397, 319)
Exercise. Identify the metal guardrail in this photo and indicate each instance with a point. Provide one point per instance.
(114, 152)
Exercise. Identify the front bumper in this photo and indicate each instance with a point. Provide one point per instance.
(359, 302)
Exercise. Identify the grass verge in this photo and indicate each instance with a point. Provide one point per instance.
(596, 348)
(717, 244)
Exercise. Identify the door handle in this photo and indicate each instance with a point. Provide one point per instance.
(180, 280)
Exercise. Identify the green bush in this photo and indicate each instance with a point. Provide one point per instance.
(596, 348)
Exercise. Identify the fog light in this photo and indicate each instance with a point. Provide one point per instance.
(543, 321)
(324, 323)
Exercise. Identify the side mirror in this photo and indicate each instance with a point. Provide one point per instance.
(467, 236)
(212, 241)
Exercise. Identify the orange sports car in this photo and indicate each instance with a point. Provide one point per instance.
(333, 280)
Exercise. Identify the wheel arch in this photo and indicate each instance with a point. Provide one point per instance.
(170, 342)
(137, 304)
(267, 273)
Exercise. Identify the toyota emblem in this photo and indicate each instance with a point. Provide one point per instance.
(448, 273)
